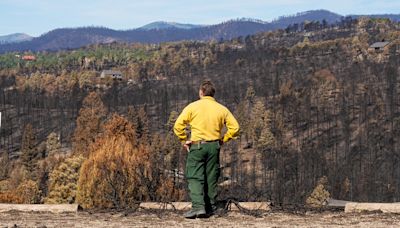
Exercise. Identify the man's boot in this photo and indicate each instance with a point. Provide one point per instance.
(192, 214)
(218, 210)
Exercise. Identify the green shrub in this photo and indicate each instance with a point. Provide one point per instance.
(319, 197)
(63, 181)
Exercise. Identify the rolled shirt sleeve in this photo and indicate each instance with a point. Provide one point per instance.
(180, 124)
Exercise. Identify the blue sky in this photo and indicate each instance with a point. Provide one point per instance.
(36, 17)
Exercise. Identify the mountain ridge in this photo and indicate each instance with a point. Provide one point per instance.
(166, 25)
(70, 38)
(15, 38)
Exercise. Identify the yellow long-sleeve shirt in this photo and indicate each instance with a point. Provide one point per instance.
(206, 118)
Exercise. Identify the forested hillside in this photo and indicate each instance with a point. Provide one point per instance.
(72, 38)
(311, 104)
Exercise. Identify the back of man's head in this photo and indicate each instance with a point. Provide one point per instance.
(207, 87)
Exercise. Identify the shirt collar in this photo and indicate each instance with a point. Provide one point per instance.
(208, 98)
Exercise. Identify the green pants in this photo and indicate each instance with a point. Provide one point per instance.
(202, 172)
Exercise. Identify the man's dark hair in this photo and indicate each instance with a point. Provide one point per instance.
(207, 87)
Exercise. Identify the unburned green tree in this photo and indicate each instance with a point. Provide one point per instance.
(266, 140)
(319, 197)
(64, 181)
(53, 144)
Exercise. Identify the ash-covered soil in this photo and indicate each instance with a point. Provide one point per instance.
(173, 219)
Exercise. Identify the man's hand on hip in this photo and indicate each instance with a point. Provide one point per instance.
(186, 145)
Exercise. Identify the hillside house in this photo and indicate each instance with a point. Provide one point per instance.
(112, 74)
(29, 57)
(379, 46)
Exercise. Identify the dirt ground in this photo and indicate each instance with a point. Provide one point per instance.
(173, 219)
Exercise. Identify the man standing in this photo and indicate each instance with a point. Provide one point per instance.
(206, 118)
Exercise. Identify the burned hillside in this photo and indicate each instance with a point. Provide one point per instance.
(311, 103)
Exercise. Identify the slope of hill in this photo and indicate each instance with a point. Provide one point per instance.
(321, 106)
(168, 25)
(312, 15)
(77, 37)
(67, 38)
(393, 17)
(159, 32)
(15, 38)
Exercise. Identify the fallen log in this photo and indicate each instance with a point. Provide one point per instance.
(54, 208)
(337, 203)
(168, 206)
(372, 207)
(265, 206)
(187, 206)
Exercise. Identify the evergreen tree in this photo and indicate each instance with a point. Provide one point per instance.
(140, 121)
(132, 116)
(266, 139)
(172, 144)
(257, 120)
(250, 94)
(173, 116)
(143, 130)
(88, 123)
(29, 153)
(320, 196)
(53, 144)
(64, 181)
(4, 165)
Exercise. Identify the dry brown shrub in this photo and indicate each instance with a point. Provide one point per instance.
(110, 177)
(29, 192)
(167, 191)
(17, 176)
(118, 172)
(10, 197)
(4, 185)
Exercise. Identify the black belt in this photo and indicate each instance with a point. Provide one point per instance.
(204, 141)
